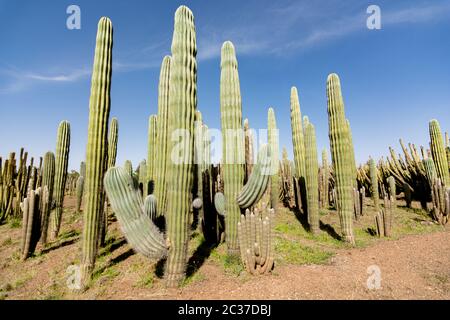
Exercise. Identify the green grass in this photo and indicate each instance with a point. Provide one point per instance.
(7, 242)
(288, 251)
(196, 277)
(147, 280)
(15, 223)
(232, 265)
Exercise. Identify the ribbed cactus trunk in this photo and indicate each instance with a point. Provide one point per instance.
(273, 139)
(352, 154)
(232, 143)
(128, 166)
(79, 192)
(298, 146)
(162, 139)
(438, 152)
(312, 181)
(113, 137)
(373, 172)
(182, 104)
(61, 163)
(326, 178)
(249, 158)
(198, 165)
(142, 177)
(151, 154)
(342, 164)
(96, 151)
(48, 178)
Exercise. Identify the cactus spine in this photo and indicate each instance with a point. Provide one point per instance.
(342, 165)
(273, 139)
(312, 187)
(152, 138)
(162, 151)
(182, 103)
(48, 176)
(374, 184)
(232, 142)
(438, 153)
(61, 162)
(96, 151)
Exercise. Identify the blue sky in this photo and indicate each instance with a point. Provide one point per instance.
(394, 80)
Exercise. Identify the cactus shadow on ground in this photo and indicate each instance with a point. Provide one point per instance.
(330, 230)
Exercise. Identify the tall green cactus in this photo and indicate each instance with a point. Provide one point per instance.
(438, 153)
(48, 177)
(128, 166)
(273, 139)
(96, 151)
(151, 149)
(233, 145)
(162, 138)
(182, 103)
(83, 169)
(297, 134)
(142, 177)
(249, 161)
(298, 148)
(374, 184)
(342, 164)
(61, 163)
(312, 187)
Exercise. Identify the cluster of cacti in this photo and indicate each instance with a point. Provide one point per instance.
(32, 207)
(340, 151)
(170, 193)
(383, 219)
(96, 151)
(255, 231)
(233, 144)
(61, 163)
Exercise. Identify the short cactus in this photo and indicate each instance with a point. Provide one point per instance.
(79, 192)
(256, 242)
(374, 184)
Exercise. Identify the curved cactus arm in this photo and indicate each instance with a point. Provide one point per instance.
(252, 192)
(150, 206)
(139, 230)
(219, 203)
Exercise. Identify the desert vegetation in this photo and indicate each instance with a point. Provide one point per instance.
(249, 219)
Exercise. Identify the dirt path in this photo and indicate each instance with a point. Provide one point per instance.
(414, 267)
